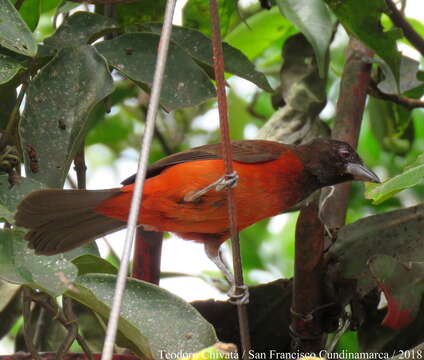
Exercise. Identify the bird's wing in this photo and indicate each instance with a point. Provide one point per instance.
(245, 151)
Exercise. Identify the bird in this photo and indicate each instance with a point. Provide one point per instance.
(183, 194)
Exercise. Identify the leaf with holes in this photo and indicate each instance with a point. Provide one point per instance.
(411, 176)
(313, 19)
(79, 29)
(58, 102)
(362, 18)
(14, 32)
(261, 30)
(153, 321)
(395, 233)
(403, 287)
(134, 55)
(200, 48)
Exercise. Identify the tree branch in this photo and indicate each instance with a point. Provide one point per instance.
(408, 31)
(406, 102)
(306, 328)
(349, 112)
(147, 255)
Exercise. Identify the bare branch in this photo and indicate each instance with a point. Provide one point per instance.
(408, 31)
(406, 102)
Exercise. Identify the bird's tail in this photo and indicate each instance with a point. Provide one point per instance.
(61, 220)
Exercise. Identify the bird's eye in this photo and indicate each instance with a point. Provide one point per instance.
(344, 153)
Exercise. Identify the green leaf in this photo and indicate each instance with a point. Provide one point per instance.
(411, 176)
(9, 66)
(47, 5)
(30, 12)
(14, 32)
(395, 233)
(408, 77)
(59, 99)
(362, 19)
(200, 48)
(134, 55)
(8, 292)
(153, 321)
(79, 29)
(111, 130)
(196, 15)
(20, 265)
(66, 6)
(403, 286)
(10, 306)
(11, 196)
(128, 15)
(264, 29)
(313, 19)
(391, 125)
(89, 264)
(8, 98)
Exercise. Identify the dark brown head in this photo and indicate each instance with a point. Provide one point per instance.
(332, 162)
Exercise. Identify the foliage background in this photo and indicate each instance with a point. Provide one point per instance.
(389, 140)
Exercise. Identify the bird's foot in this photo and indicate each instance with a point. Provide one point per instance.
(226, 181)
(239, 295)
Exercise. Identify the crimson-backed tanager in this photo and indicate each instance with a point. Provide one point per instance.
(178, 196)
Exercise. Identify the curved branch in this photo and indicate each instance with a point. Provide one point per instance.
(406, 102)
(408, 31)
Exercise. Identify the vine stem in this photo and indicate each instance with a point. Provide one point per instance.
(218, 62)
(139, 180)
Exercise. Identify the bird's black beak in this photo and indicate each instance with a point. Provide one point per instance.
(362, 173)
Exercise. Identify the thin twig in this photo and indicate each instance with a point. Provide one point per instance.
(18, 4)
(41, 324)
(71, 182)
(53, 309)
(71, 326)
(408, 31)
(68, 311)
(139, 180)
(28, 335)
(165, 147)
(159, 136)
(13, 120)
(80, 168)
(218, 62)
(406, 102)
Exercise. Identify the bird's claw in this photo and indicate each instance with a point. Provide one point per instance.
(239, 295)
(227, 181)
